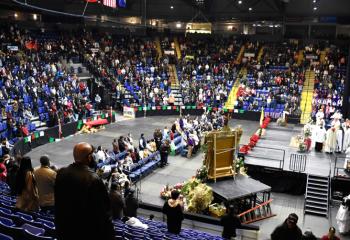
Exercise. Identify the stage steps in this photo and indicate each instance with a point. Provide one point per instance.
(230, 103)
(261, 53)
(317, 195)
(177, 48)
(257, 213)
(306, 96)
(240, 55)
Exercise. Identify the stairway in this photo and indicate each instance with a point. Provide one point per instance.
(306, 96)
(240, 55)
(175, 87)
(39, 125)
(177, 48)
(261, 53)
(260, 212)
(230, 104)
(323, 55)
(159, 48)
(300, 57)
(317, 195)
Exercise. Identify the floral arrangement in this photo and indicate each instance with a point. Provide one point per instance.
(217, 210)
(255, 137)
(202, 173)
(199, 198)
(302, 147)
(307, 130)
(197, 195)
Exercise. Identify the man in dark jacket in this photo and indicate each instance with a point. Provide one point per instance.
(82, 205)
(164, 152)
(230, 223)
(131, 205)
(288, 230)
(117, 201)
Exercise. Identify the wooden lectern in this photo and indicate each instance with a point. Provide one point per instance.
(221, 149)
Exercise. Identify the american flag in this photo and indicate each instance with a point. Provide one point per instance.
(110, 3)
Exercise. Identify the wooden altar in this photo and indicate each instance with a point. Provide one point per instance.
(221, 150)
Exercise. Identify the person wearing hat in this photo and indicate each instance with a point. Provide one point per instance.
(330, 235)
(288, 230)
(230, 222)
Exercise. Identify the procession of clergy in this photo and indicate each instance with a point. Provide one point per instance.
(335, 139)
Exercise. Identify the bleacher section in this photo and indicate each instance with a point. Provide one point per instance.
(17, 225)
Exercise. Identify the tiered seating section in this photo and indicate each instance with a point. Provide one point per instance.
(17, 225)
(207, 71)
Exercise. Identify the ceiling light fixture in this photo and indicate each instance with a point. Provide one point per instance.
(171, 7)
(239, 2)
(250, 9)
(315, 8)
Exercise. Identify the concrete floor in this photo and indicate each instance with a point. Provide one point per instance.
(180, 169)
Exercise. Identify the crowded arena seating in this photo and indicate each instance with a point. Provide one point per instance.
(15, 224)
(330, 76)
(207, 71)
(275, 83)
(35, 84)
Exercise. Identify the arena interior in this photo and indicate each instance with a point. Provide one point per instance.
(175, 119)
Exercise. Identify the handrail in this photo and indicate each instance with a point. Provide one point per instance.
(254, 208)
(281, 161)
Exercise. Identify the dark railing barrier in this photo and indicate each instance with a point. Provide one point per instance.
(22, 147)
(339, 166)
(297, 162)
(195, 217)
(256, 154)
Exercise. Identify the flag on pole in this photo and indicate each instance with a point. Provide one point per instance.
(110, 3)
(262, 116)
(91, 1)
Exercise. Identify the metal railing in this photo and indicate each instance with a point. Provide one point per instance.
(297, 162)
(267, 157)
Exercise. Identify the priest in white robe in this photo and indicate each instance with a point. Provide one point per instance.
(320, 137)
(340, 140)
(331, 140)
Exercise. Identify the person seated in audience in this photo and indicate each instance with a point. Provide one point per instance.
(152, 146)
(3, 169)
(45, 179)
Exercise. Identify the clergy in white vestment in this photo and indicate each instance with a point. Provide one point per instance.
(331, 140)
(340, 140)
(320, 137)
(346, 142)
(343, 217)
(319, 117)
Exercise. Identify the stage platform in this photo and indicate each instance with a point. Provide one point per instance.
(241, 187)
(273, 151)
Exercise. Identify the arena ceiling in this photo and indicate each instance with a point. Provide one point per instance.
(211, 10)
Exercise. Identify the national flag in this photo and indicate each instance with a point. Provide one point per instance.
(91, 1)
(110, 3)
(262, 116)
(122, 3)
